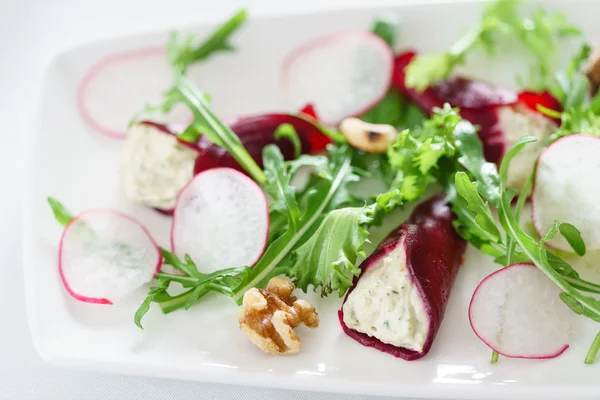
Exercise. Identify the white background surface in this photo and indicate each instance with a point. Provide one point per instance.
(31, 31)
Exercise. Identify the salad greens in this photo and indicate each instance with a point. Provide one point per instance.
(183, 52)
(571, 87)
(537, 33)
(317, 233)
(320, 210)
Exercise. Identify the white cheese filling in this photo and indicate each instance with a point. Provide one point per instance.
(386, 305)
(516, 122)
(155, 167)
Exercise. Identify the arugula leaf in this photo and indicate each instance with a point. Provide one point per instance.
(197, 284)
(182, 52)
(278, 185)
(537, 33)
(387, 28)
(388, 111)
(593, 351)
(288, 131)
(568, 84)
(62, 215)
(317, 202)
(482, 214)
(207, 123)
(470, 150)
(328, 260)
(573, 237)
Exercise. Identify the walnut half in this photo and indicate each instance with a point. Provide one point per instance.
(268, 317)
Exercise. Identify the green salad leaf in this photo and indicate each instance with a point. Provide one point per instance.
(387, 28)
(328, 259)
(183, 52)
(308, 217)
(61, 214)
(289, 132)
(538, 33)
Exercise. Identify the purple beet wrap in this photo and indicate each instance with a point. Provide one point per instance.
(434, 253)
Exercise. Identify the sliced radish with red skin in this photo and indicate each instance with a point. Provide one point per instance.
(118, 86)
(517, 312)
(105, 255)
(343, 74)
(221, 220)
(567, 189)
(155, 176)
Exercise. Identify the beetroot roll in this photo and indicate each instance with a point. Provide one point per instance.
(503, 115)
(397, 303)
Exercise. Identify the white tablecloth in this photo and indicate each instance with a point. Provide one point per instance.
(31, 31)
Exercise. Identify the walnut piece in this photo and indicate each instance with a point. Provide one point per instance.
(371, 138)
(268, 317)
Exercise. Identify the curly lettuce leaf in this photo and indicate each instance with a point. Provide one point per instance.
(328, 260)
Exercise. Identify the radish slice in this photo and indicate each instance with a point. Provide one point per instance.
(221, 220)
(342, 75)
(567, 189)
(105, 255)
(517, 312)
(119, 85)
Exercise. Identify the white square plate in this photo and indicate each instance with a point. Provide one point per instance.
(78, 166)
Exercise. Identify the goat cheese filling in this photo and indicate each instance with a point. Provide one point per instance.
(386, 305)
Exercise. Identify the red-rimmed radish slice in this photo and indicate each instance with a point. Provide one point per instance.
(105, 255)
(341, 75)
(517, 312)
(567, 189)
(119, 85)
(221, 220)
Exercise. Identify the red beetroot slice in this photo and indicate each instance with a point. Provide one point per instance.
(105, 255)
(434, 253)
(517, 312)
(255, 132)
(258, 131)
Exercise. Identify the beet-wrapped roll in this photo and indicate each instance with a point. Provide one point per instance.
(397, 303)
(503, 115)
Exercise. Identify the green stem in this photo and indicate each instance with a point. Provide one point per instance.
(224, 31)
(586, 286)
(224, 136)
(494, 359)
(593, 351)
(178, 278)
(176, 302)
(180, 301)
